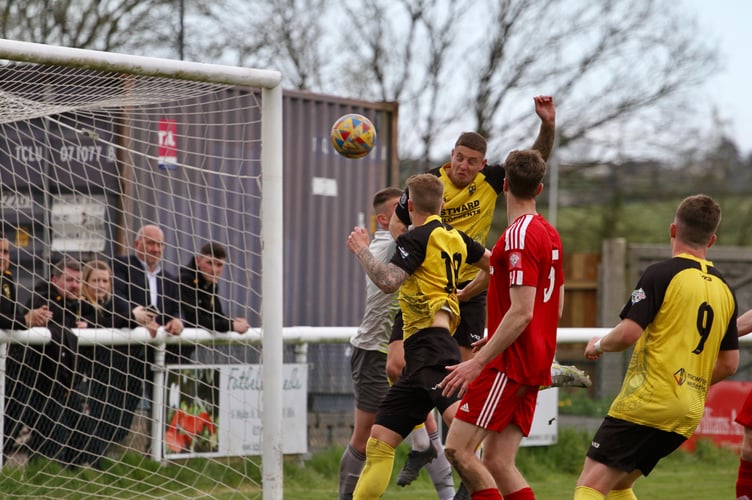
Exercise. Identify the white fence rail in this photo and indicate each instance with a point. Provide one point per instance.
(291, 335)
(300, 336)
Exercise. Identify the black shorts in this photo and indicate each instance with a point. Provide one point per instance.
(627, 446)
(472, 321)
(416, 393)
(397, 327)
(370, 384)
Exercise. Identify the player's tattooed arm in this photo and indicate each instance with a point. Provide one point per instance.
(545, 142)
(387, 277)
(546, 111)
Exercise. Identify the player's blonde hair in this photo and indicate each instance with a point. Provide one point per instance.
(426, 193)
(86, 292)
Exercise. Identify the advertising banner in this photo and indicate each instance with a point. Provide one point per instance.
(216, 410)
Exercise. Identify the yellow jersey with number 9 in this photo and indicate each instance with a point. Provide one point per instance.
(688, 314)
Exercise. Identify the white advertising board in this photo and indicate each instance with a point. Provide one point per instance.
(544, 430)
(216, 410)
(78, 223)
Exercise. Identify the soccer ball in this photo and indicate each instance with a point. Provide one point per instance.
(353, 136)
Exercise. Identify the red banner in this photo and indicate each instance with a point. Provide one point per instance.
(168, 144)
(725, 399)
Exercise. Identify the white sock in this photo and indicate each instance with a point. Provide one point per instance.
(421, 440)
(440, 470)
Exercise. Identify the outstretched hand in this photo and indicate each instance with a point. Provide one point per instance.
(545, 109)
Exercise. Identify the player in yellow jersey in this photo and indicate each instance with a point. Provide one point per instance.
(681, 319)
(424, 268)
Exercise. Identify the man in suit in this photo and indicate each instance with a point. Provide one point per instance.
(141, 280)
(153, 296)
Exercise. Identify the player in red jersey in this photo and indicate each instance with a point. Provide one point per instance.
(500, 383)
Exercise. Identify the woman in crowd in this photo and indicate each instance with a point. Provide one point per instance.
(111, 382)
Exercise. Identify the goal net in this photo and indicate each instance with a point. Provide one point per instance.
(126, 183)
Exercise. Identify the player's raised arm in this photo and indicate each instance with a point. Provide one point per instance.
(546, 111)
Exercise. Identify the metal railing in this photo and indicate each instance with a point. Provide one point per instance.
(299, 336)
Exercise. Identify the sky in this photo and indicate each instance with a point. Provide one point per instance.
(728, 22)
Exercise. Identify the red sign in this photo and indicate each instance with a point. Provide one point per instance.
(725, 399)
(168, 144)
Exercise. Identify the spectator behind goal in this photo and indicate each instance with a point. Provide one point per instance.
(199, 301)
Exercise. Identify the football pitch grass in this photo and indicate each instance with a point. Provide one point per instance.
(708, 473)
(552, 471)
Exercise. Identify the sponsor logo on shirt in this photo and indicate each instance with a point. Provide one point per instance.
(680, 376)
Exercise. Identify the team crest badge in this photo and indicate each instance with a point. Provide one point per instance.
(638, 295)
(515, 260)
(472, 189)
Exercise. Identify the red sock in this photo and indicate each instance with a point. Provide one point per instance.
(487, 494)
(523, 494)
(744, 479)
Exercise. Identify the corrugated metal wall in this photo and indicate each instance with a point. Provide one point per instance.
(41, 160)
(324, 284)
(209, 194)
(325, 195)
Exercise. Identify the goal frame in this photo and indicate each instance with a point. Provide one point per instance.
(270, 83)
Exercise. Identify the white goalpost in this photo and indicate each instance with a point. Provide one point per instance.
(93, 147)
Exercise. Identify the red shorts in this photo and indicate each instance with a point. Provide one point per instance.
(493, 401)
(744, 417)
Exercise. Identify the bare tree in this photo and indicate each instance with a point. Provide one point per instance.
(617, 67)
(441, 33)
(622, 71)
(123, 25)
(409, 62)
(286, 35)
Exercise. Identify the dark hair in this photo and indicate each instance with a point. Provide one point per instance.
(524, 171)
(697, 220)
(384, 195)
(64, 263)
(214, 249)
(472, 140)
